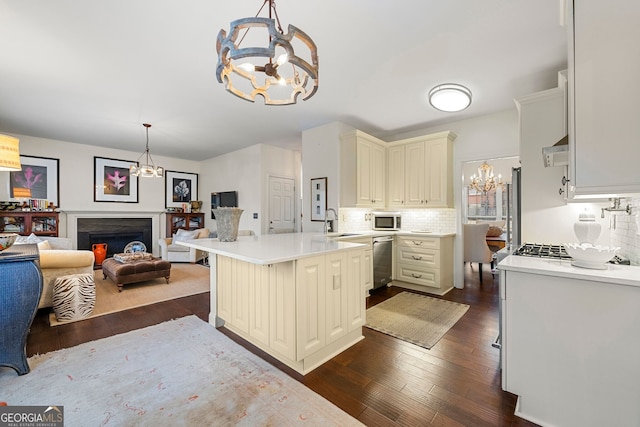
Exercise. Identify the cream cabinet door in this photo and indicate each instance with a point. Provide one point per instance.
(356, 302)
(368, 271)
(234, 279)
(370, 173)
(364, 186)
(395, 173)
(310, 305)
(378, 175)
(438, 184)
(282, 312)
(336, 311)
(224, 285)
(240, 294)
(414, 177)
(259, 291)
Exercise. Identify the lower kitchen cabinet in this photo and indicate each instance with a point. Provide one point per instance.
(303, 312)
(570, 348)
(425, 263)
(367, 260)
(258, 300)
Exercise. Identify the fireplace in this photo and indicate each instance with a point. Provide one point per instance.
(115, 232)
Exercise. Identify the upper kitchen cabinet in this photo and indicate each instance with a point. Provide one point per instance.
(395, 175)
(428, 171)
(604, 88)
(363, 174)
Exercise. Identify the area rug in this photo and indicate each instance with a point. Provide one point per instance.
(180, 373)
(418, 319)
(185, 280)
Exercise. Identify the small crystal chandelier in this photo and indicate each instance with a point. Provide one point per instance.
(269, 66)
(485, 181)
(149, 169)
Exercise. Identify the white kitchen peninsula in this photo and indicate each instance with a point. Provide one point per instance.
(299, 297)
(570, 341)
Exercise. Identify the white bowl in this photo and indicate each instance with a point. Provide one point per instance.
(7, 240)
(586, 255)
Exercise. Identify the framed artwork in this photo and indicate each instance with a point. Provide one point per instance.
(318, 198)
(180, 188)
(112, 181)
(38, 179)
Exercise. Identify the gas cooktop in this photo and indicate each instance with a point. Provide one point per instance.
(556, 252)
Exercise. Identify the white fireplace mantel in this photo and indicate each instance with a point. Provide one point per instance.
(72, 223)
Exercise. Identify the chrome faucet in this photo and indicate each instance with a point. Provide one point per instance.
(615, 207)
(328, 224)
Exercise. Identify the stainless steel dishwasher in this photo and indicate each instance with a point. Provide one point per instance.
(382, 256)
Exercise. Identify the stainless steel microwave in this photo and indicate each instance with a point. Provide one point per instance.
(387, 220)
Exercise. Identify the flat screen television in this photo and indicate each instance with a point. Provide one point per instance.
(227, 199)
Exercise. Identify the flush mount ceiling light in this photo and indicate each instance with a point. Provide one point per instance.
(9, 153)
(149, 169)
(277, 66)
(450, 97)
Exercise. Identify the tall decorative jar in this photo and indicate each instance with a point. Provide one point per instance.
(227, 222)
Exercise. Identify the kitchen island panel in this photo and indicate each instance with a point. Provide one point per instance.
(315, 307)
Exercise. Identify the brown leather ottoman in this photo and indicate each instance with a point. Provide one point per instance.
(123, 273)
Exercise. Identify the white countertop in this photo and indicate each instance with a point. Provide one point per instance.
(377, 233)
(616, 274)
(272, 248)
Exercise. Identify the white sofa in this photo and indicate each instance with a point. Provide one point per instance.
(177, 253)
(57, 258)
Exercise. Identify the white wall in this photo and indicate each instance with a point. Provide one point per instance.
(321, 158)
(246, 171)
(282, 163)
(237, 171)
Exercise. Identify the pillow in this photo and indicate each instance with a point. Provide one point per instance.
(44, 245)
(30, 239)
(183, 235)
(494, 231)
(500, 224)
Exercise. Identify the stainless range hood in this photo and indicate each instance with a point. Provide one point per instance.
(558, 154)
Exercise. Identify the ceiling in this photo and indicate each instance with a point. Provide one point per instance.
(92, 72)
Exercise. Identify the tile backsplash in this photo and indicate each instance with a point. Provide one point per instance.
(625, 231)
(435, 220)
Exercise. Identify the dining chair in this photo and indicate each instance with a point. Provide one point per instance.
(476, 248)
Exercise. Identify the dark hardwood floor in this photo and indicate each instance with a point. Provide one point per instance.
(381, 381)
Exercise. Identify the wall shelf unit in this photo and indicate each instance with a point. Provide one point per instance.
(25, 223)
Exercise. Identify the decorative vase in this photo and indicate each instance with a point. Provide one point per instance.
(587, 229)
(196, 205)
(227, 221)
(100, 252)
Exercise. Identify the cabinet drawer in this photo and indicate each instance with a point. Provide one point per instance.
(420, 276)
(418, 256)
(419, 242)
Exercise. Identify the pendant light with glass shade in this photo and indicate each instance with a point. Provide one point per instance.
(148, 169)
